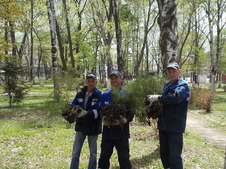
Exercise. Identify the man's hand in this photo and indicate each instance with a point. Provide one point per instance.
(105, 122)
(152, 98)
(123, 120)
(110, 123)
(81, 112)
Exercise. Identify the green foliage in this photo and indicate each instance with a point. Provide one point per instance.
(123, 99)
(68, 81)
(224, 87)
(14, 83)
(140, 88)
(201, 99)
(219, 103)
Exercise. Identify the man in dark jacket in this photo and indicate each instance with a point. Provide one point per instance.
(115, 135)
(172, 121)
(88, 122)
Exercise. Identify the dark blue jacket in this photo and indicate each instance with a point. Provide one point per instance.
(88, 124)
(116, 132)
(175, 104)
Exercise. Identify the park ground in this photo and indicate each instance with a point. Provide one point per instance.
(34, 135)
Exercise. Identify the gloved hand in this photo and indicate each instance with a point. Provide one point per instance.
(123, 120)
(152, 98)
(81, 112)
(105, 122)
(110, 123)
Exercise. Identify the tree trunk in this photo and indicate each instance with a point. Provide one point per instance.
(225, 159)
(13, 38)
(52, 24)
(68, 34)
(61, 48)
(6, 38)
(120, 57)
(79, 27)
(168, 34)
(106, 36)
(32, 78)
(146, 31)
(215, 19)
(22, 46)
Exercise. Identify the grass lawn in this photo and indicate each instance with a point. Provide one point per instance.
(34, 135)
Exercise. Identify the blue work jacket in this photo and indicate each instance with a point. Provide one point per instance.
(89, 124)
(116, 132)
(175, 104)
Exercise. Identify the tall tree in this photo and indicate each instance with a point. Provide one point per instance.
(120, 57)
(13, 38)
(61, 48)
(104, 28)
(80, 7)
(68, 34)
(52, 24)
(32, 78)
(168, 31)
(147, 29)
(215, 20)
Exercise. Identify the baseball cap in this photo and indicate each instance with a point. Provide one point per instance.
(116, 73)
(91, 75)
(173, 65)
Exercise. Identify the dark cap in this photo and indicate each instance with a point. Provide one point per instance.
(91, 75)
(116, 73)
(173, 65)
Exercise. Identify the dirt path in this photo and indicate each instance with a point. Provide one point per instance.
(206, 132)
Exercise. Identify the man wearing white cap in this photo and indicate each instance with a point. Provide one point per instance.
(172, 121)
(88, 123)
(115, 135)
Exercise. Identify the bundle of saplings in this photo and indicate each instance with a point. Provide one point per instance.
(114, 112)
(70, 113)
(140, 89)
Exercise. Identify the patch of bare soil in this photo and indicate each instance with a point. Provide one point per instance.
(210, 134)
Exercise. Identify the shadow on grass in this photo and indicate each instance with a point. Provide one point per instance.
(146, 160)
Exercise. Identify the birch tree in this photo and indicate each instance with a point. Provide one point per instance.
(168, 40)
(52, 24)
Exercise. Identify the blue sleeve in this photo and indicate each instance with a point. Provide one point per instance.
(105, 99)
(176, 95)
(75, 101)
(94, 113)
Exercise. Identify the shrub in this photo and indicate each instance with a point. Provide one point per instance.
(14, 83)
(224, 87)
(201, 99)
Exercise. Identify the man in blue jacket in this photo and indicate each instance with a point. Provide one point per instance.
(88, 122)
(172, 121)
(115, 135)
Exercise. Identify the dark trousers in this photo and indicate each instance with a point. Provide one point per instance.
(122, 147)
(171, 144)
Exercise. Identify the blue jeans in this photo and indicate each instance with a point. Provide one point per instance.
(171, 144)
(78, 143)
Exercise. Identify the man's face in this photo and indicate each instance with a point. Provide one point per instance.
(115, 81)
(173, 74)
(91, 83)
